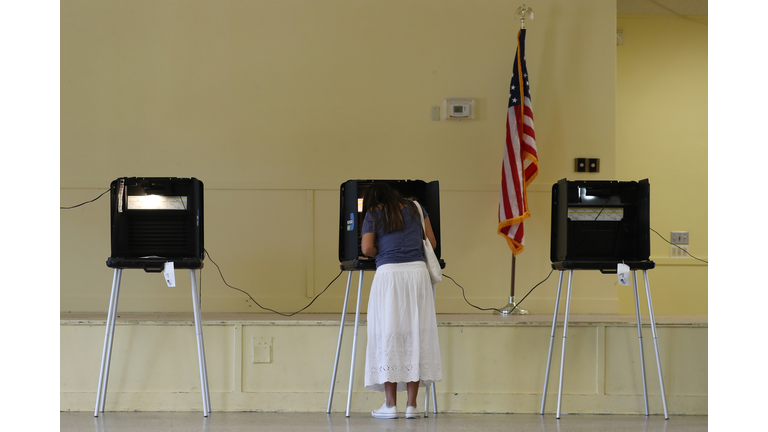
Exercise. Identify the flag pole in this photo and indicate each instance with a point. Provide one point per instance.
(511, 307)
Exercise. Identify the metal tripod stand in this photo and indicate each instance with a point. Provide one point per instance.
(362, 266)
(604, 267)
(101, 392)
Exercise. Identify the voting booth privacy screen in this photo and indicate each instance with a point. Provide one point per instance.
(156, 220)
(352, 214)
(600, 221)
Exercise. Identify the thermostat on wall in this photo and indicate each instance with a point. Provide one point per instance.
(459, 108)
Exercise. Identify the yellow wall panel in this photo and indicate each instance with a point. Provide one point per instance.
(147, 358)
(493, 365)
(302, 361)
(684, 367)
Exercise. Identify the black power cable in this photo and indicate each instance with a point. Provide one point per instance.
(266, 308)
(494, 309)
(67, 208)
(662, 237)
(463, 293)
(465, 296)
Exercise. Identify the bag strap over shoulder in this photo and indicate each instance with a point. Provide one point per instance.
(421, 215)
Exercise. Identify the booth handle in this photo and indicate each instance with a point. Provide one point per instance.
(149, 267)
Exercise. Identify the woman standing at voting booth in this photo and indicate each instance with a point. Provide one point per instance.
(403, 352)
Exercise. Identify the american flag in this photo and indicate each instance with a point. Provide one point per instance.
(521, 163)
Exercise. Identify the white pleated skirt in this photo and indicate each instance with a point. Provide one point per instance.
(402, 328)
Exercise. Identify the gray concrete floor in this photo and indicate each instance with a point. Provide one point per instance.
(338, 422)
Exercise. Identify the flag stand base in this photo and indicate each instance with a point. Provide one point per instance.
(511, 309)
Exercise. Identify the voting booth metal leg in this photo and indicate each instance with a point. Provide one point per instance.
(551, 341)
(109, 336)
(431, 389)
(338, 344)
(639, 336)
(354, 343)
(200, 346)
(434, 399)
(565, 340)
(106, 355)
(640, 339)
(655, 342)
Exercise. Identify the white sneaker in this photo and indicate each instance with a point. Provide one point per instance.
(411, 412)
(385, 411)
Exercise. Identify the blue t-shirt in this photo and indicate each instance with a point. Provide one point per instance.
(398, 246)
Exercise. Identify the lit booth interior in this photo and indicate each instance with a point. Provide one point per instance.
(156, 220)
(351, 216)
(597, 224)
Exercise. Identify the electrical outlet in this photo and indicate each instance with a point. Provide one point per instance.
(678, 237)
(678, 251)
(262, 350)
(586, 165)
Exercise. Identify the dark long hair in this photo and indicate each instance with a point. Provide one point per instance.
(381, 195)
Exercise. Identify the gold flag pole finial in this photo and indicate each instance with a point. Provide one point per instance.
(524, 13)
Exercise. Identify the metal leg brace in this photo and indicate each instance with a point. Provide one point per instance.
(551, 341)
(565, 339)
(354, 343)
(109, 335)
(200, 345)
(106, 356)
(639, 336)
(431, 389)
(655, 342)
(338, 344)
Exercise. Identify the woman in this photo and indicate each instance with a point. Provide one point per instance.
(403, 350)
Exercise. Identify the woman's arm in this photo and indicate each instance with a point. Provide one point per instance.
(430, 234)
(368, 244)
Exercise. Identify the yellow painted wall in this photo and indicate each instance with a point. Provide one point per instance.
(661, 134)
(273, 104)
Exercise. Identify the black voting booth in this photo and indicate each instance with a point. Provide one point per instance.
(351, 216)
(154, 221)
(598, 225)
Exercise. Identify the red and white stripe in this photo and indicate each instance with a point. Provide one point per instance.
(520, 167)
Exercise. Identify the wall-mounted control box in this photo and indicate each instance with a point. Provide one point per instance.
(459, 109)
